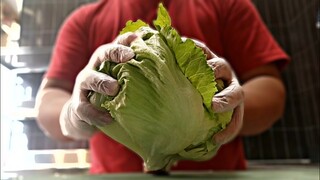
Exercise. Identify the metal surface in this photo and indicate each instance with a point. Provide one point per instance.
(254, 173)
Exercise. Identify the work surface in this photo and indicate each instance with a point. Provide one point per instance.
(258, 173)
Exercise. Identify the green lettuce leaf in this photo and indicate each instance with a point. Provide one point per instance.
(163, 109)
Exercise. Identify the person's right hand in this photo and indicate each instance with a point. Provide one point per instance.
(230, 98)
(78, 116)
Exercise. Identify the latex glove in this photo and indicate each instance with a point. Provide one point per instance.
(231, 97)
(78, 115)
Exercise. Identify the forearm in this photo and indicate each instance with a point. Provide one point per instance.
(49, 105)
(264, 104)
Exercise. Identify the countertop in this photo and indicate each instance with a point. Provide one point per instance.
(261, 172)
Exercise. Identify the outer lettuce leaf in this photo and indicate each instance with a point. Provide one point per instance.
(163, 109)
(133, 26)
(191, 59)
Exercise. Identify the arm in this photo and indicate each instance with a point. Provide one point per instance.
(64, 111)
(52, 95)
(264, 99)
(56, 88)
(257, 104)
(256, 58)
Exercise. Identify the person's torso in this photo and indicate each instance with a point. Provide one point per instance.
(195, 19)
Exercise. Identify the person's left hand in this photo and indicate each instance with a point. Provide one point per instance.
(230, 98)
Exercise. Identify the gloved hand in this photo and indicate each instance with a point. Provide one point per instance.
(78, 115)
(231, 97)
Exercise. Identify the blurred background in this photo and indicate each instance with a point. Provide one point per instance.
(28, 32)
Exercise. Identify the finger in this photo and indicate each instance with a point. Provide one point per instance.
(72, 126)
(205, 49)
(90, 114)
(119, 53)
(111, 52)
(91, 80)
(232, 128)
(126, 39)
(228, 98)
(201, 45)
(221, 69)
(116, 53)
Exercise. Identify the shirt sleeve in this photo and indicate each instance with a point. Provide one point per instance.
(70, 53)
(247, 41)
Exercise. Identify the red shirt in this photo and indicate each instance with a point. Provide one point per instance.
(231, 28)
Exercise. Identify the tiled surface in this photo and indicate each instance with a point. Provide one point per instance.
(296, 135)
(41, 20)
(293, 24)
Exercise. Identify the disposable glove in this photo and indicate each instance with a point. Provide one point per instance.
(78, 116)
(230, 98)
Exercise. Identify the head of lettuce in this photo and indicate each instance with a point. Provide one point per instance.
(163, 109)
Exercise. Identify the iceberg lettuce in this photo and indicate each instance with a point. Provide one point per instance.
(163, 109)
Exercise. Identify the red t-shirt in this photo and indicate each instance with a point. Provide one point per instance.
(231, 28)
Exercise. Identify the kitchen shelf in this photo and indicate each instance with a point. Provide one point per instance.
(26, 50)
(26, 57)
(23, 114)
(47, 159)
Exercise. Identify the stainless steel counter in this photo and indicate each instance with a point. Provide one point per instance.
(257, 172)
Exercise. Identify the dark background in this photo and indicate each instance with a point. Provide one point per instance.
(293, 24)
